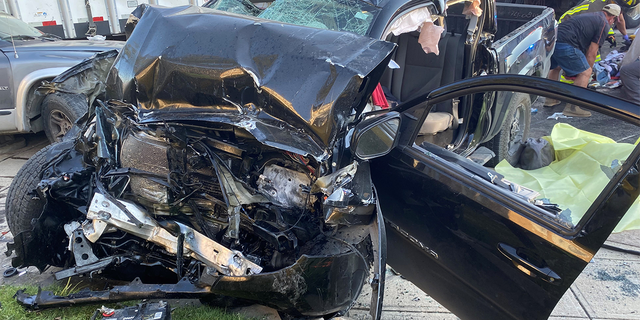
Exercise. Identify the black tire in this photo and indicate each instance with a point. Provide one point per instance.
(630, 21)
(20, 207)
(514, 132)
(60, 111)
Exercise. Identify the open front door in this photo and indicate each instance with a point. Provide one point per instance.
(507, 246)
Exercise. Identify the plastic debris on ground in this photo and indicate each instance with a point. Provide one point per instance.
(148, 311)
(97, 38)
(557, 115)
(584, 163)
(613, 84)
(10, 272)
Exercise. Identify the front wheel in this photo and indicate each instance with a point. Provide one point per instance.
(60, 111)
(21, 207)
(515, 129)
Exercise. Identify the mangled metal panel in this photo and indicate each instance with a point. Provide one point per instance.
(234, 69)
(87, 77)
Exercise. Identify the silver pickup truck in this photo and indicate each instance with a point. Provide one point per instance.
(27, 57)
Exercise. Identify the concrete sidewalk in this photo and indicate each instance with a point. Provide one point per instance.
(609, 288)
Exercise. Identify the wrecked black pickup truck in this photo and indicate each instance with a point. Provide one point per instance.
(247, 165)
(435, 47)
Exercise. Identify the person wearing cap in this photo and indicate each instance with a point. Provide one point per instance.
(588, 6)
(577, 45)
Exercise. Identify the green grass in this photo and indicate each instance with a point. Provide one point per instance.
(11, 310)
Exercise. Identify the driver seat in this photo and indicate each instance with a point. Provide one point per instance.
(420, 73)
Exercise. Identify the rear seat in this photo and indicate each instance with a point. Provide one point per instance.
(420, 73)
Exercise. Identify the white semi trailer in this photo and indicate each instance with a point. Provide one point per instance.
(79, 18)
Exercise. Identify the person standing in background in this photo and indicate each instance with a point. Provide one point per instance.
(591, 6)
(578, 42)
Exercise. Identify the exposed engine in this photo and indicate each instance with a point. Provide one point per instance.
(249, 198)
(212, 171)
(187, 200)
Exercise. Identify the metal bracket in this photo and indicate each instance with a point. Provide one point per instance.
(196, 245)
(81, 248)
(133, 291)
(88, 268)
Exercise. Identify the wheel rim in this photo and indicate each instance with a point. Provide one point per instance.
(59, 124)
(516, 131)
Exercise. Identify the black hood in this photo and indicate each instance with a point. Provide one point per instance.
(292, 87)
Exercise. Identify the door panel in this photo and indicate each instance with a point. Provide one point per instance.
(483, 250)
(6, 90)
(464, 236)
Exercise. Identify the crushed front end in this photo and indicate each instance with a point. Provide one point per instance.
(211, 171)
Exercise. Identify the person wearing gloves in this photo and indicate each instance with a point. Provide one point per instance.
(590, 6)
(578, 42)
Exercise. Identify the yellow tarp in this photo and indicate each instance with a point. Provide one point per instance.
(579, 173)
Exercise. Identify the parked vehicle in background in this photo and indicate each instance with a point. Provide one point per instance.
(28, 57)
(75, 20)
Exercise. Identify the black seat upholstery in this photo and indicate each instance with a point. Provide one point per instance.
(419, 72)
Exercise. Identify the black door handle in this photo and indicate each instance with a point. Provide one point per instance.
(527, 266)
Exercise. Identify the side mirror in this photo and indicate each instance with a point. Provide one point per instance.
(376, 136)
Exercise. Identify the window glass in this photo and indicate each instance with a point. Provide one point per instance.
(558, 157)
(10, 26)
(244, 7)
(340, 15)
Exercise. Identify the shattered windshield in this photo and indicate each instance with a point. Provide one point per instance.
(340, 15)
(244, 7)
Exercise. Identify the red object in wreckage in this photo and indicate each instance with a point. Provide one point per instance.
(379, 98)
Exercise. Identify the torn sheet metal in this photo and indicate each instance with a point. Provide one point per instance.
(302, 288)
(243, 71)
(349, 199)
(85, 78)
